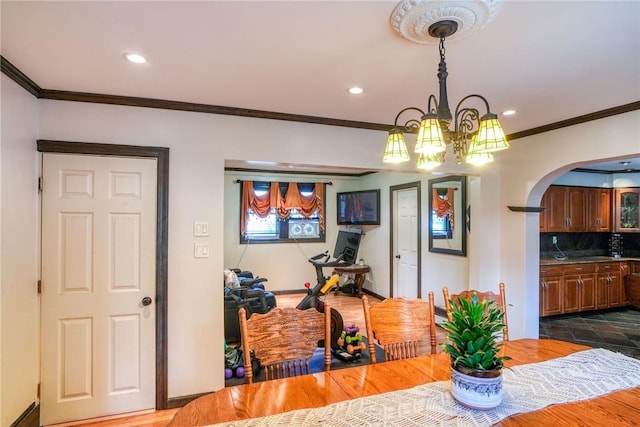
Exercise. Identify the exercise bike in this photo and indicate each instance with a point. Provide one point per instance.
(322, 287)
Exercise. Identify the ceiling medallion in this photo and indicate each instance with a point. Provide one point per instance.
(411, 19)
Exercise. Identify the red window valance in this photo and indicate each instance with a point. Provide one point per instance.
(273, 199)
(444, 206)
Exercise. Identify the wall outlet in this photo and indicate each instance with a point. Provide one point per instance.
(554, 240)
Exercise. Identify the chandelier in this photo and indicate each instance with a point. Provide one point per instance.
(474, 137)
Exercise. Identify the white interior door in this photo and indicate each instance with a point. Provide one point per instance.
(98, 263)
(405, 243)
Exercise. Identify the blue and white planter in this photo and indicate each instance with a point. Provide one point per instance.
(477, 392)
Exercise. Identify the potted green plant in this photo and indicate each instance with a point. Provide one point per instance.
(474, 346)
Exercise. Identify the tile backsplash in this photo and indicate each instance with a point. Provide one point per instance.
(587, 244)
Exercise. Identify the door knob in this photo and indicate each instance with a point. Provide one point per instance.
(146, 301)
(398, 256)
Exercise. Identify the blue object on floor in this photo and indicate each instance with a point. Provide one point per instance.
(316, 363)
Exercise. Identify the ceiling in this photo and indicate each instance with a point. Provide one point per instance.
(550, 61)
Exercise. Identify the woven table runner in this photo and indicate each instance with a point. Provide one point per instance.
(579, 376)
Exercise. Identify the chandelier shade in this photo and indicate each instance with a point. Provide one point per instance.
(475, 157)
(490, 135)
(430, 161)
(429, 140)
(396, 149)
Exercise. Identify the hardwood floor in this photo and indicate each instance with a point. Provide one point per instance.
(350, 308)
(150, 418)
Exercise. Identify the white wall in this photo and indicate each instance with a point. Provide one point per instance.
(19, 310)
(285, 265)
(503, 244)
(199, 144)
(528, 168)
(438, 270)
(585, 179)
(620, 180)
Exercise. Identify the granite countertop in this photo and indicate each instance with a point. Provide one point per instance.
(584, 260)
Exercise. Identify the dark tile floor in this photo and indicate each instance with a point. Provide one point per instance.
(615, 329)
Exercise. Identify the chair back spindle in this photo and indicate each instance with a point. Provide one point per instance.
(399, 325)
(284, 339)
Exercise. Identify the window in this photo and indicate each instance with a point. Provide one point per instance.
(282, 212)
(441, 226)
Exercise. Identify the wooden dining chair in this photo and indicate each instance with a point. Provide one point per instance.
(499, 299)
(284, 339)
(398, 325)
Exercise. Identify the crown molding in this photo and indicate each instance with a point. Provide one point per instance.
(621, 109)
(95, 98)
(30, 86)
(19, 77)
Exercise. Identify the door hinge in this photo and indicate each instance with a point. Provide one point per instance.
(39, 286)
(38, 391)
(40, 184)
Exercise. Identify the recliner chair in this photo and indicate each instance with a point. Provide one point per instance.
(248, 292)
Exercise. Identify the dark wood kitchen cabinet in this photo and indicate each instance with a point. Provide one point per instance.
(571, 288)
(627, 210)
(625, 269)
(565, 209)
(578, 286)
(609, 289)
(543, 213)
(550, 290)
(598, 209)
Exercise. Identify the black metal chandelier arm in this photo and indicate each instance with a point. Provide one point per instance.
(434, 110)
(486, 103)
(466, 119)
(410, 125)
(464, 113)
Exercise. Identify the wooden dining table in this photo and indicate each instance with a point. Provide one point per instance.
(620, 408)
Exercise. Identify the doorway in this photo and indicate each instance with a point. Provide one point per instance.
(405, 261)
(81, 384)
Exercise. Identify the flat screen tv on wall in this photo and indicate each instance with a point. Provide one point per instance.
(359, 207)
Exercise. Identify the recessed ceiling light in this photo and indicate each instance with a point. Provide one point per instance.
(135, 58)
(508, 112)
(355, 90)
(625, 163)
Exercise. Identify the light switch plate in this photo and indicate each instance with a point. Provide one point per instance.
(200, 229)
(201, 250)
